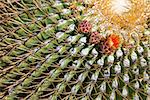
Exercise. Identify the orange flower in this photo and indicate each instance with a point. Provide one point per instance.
(110, 44)
(114, 40)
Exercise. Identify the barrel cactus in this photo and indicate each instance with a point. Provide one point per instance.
(75, 49)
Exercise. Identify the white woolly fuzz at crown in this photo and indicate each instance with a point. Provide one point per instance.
(120, 6)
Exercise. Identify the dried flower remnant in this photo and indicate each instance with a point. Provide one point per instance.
(85, 26)
(105, 49)
(95, 38)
